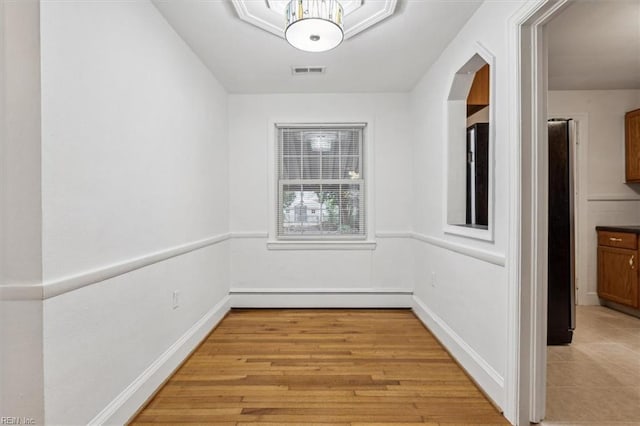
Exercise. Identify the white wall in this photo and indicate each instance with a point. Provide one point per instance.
(136, 163)
(21, 365)
(21, 225)
(134, 167)
(461, 283)
(604, 198)
(253, 266)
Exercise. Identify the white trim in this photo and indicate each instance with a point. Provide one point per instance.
(59, 286)
(613, 197)
(368, 158)
(126, 404)
(486, 376)
(380, 234)
(464, 231)
(394, 234)
(272, 178)
(539, 189)
(322, 125)
(388, 10)
(21, 292)
(590, 299)
(362, 183)
(526, 361)
(519, 370)
(369, 176)
(361, 18)
(321, 245)
(354, 290)
(484, 255)
(321, 298)
(67, 284)
(469, 232)
(250, 235)
(514, 370)
(254, 19)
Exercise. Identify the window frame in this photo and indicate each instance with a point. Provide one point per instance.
(276, 241)
(452, 138)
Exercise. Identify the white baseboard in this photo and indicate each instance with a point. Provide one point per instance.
(287, 298)
(124, 406)
(491, 382)
(590, 299)
(613, 197)
(127, 403)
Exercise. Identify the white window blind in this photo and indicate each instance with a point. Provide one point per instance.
(321, 183)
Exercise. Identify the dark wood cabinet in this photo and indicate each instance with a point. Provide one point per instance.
(478, 97)
(632, 146)
(618, 267)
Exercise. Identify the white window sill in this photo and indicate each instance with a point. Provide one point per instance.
(469, 232)
(321, 245)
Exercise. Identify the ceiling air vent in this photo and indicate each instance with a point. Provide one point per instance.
(308, 70)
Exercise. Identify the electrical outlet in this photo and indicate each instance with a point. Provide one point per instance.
(176, 299)
(433, 280)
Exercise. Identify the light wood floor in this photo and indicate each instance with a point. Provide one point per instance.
(334, 367)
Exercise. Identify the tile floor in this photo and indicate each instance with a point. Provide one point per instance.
(596, 379)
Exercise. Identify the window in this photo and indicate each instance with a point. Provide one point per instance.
(320, 183)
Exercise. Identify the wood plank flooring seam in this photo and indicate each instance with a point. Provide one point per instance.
(350, 367)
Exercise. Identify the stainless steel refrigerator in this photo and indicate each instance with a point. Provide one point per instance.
(561, 250)
(478, 175)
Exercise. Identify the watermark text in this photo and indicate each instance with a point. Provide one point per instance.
(12, 420)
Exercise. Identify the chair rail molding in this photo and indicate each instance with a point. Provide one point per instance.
(495, 258)
(58, 286)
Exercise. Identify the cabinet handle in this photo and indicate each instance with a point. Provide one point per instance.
(615, 239)
(631, 261)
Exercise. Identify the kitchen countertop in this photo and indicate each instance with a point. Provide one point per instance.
(622, 228)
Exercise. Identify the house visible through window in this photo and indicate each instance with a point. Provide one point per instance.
(320, 182)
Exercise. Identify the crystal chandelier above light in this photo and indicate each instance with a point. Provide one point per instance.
(314, 25)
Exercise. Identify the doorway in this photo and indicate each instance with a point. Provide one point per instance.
(533, 225)
(588, 74)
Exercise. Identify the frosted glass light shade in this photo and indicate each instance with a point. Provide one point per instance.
(314, 25)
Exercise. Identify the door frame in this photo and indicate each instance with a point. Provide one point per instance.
(528, 172)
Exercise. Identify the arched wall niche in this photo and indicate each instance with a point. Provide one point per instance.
(469, 148)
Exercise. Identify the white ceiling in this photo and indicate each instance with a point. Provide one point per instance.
(388, 57)
(358, 14)
(595, 44)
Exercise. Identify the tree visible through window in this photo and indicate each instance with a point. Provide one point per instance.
(320, 183)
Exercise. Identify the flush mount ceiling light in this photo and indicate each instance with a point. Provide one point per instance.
(314, 25)
(359, 15)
